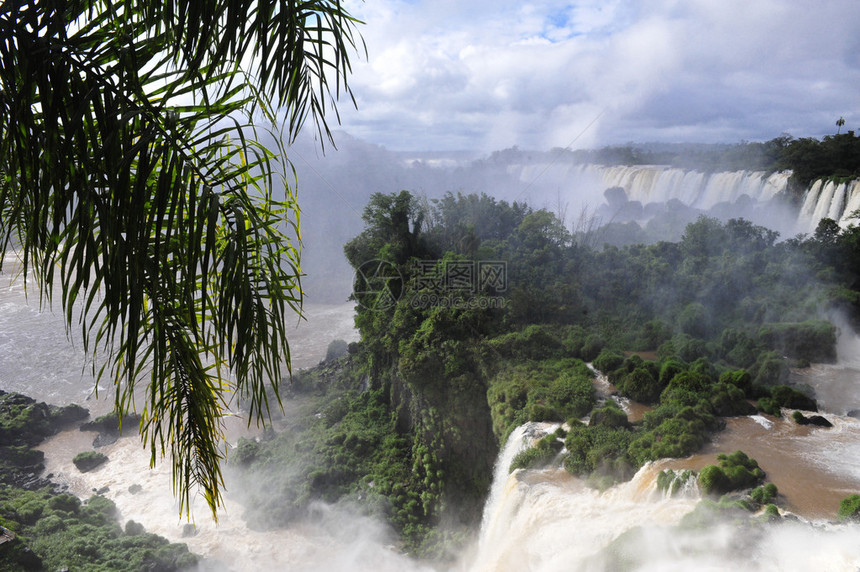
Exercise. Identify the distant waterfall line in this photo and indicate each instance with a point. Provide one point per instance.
(652, 183)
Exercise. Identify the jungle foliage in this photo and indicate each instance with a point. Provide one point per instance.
(458, 349)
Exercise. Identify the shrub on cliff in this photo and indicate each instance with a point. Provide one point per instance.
(544, 451)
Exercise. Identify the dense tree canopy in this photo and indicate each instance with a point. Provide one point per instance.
(131, 177)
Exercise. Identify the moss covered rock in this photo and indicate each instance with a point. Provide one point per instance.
(849, 508)
(735, 472)
(89, 460)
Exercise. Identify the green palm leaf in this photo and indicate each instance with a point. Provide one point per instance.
(131, 175)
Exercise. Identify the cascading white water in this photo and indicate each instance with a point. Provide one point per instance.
(696, 189)
(838, 201)
(547, 520)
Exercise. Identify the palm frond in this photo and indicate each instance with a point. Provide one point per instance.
(130, 175)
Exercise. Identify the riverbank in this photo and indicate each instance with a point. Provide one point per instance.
(53, 528)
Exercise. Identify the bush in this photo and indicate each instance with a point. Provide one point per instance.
(765, 494)
(729, 400)
(89, 460)
(771, 513)
(533, 342)
(791, 398)
(639, 385)
(737, 348)
(736, 471)
(713, 480)
(670, 481)
(812, 340)
(133, 528)
(669, 369)
(592, 347)
(599, 449)
(849, 508)
(769, 369)
(610, 415)
(549, 390)
(695, 320)
(608, 360)
(544, 451)
(739, 378)
(65, 502)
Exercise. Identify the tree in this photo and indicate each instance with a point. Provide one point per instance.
(839, 123)
(131, 177)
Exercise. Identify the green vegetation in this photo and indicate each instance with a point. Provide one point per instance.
(735, 471)
(134, 180)
(764, 494)
(669, 481)
(340, 443)
(456, 351)
(549, 390)
(541, 454)
(55, 531)
(849, 508)
(89, 460)
(23, 421)
(336, 349)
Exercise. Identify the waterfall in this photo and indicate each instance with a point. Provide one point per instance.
(545, 520)
(519, 439)
(656, 183)
(542, 520)
(660, 184)
(829, 199)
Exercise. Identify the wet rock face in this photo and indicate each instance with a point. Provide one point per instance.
(109, 428)
(24, 423)
(814, 420)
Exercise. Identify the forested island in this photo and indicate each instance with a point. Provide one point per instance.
(477, 316)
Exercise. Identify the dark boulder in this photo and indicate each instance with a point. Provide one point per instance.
(816, 420)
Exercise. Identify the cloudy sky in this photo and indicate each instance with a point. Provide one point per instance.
(482, 75)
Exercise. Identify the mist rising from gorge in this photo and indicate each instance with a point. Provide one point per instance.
(631, 203)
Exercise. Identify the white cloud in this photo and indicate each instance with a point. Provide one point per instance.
(488, 75)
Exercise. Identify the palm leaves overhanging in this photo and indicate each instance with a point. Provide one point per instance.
(131, 177)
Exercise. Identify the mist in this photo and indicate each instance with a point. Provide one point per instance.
(599, 204)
